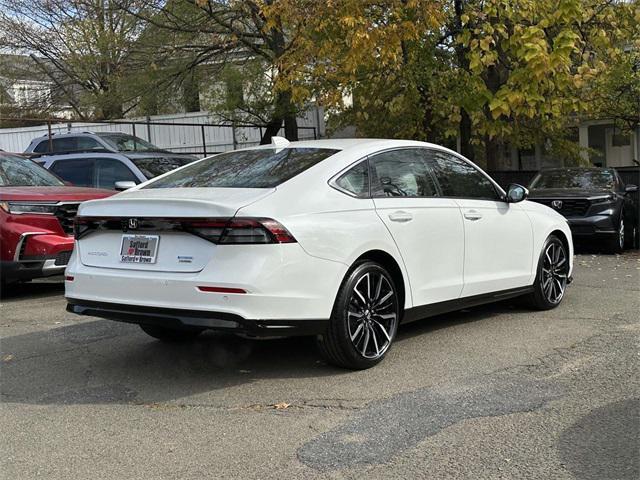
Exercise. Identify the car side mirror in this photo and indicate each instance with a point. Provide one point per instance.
(124, 185)
(516, 193)
(630, 188)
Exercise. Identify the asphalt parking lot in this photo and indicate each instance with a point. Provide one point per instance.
(494, 392)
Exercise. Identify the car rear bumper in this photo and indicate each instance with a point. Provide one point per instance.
(270, 282)
(189, 319)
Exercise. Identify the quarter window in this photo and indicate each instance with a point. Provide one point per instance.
(356, 180)
(401, 173)
(460, 179)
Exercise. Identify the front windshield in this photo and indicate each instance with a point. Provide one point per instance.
(22, 172)
(128, 143)
(578, 179)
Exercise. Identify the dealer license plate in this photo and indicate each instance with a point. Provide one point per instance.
(139, 248)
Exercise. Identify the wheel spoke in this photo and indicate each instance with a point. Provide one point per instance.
(375, 341)
(378, 289)
(384, 299)
(363, 302)
(386, 316)
(560, 287)
(365, 342)
(355, 334)
(548, 256)
(368, 275)
(384, 330)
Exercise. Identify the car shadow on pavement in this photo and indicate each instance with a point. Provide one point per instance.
(51, 287)
(104, 362)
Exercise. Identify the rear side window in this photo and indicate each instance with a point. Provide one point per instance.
(109, 171)
(78, 172)
(355, 180)
(401, 173)
(261, 168)
(68, 144)
(460, 179)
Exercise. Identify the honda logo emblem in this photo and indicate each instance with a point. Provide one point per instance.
(133, 223)
(557, 204)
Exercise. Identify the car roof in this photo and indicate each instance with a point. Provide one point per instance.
(66, 134)
(78, 155)
(346, 144)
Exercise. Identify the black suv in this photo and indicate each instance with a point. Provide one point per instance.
(595, 201)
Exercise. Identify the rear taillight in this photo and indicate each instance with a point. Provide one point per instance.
(240, 231)
(236, 230)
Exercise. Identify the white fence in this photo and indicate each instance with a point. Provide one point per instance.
(197, 132)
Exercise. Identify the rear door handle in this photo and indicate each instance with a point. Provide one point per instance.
(472, 215)
(400, 216)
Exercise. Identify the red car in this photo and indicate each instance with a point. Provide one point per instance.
(36, 219)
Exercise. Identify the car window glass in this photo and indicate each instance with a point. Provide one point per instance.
(259, 168)
(401, 173)
(78, 172)
(109, 171)
(67, 144)
(19, 172)
(153, 167)
(356, 180)
(458, 178)
(575, 178)
(88, 143)
(42, 147)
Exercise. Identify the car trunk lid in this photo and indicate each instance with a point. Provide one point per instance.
(148, 224)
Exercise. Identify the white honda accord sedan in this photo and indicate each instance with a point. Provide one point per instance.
(341, 239)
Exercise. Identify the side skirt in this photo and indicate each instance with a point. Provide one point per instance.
(426, 311)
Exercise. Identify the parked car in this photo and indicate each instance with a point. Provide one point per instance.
(342, 239)
(595, 201)
(36, 219)
(104, 159)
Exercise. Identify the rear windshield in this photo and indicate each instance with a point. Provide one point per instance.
(153, 167)
(260, 168)
(22, 172)
(587, 179)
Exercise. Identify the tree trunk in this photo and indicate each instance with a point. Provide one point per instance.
(462, 52)
(191, 93)
(291, 127)
(271, 130)
(466, 148)
(283, 112)
(492, 148)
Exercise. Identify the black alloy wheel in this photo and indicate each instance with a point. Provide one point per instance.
(364, 320)
(552, 276)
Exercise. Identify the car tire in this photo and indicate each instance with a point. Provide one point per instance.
(170, 335)
(631, 235)
(364, 320)
(618, 240)
(552, 275)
